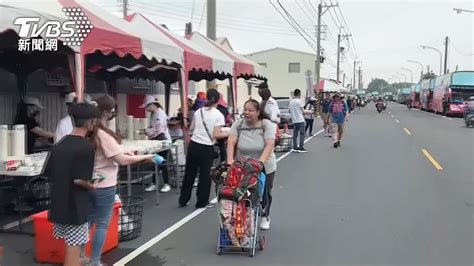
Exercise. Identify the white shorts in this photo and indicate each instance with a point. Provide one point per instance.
(73, 235)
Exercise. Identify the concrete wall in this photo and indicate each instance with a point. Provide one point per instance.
(280, 81)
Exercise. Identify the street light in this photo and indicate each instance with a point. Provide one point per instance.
(460, 10)
(420, 64)
(411, 72)
(440, 57)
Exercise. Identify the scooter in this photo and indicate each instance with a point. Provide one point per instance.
(469, 118)
(379, 106)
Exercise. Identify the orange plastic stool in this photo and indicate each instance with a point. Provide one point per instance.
(50, 250)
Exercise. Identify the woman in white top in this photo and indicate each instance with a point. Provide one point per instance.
(206, 127)
(269, 105)
(158, 130)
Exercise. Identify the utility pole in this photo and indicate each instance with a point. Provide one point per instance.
(318, 52)
(340, 38)
(446, 56)
(211, 32)
(211, 19)
(360, 78)
(344, 80)
(188, 28)
(124, 8)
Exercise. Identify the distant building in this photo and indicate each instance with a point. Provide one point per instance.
(285, 69)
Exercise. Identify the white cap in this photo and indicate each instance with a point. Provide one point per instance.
(148, 100)
(33, 101)
(312, 98)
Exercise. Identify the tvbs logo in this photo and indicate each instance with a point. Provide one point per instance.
(72, 32)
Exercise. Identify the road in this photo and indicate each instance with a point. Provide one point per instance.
(398, 192)
(377, 200)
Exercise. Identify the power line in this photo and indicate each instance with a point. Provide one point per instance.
(192, 11)
(202, 14)
(182, 11)
(254, 27)
(227, 21)
(292, 24)
(304, 11)
(458, 50)
(219, 25)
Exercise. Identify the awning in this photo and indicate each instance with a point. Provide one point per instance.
(243, 67)
(196, 58)
(330, 86)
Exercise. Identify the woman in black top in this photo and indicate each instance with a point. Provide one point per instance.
(28, 110)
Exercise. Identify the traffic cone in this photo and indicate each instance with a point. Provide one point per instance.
(286, 128)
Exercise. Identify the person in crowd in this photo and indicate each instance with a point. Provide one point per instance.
(221, 143)
(254, 136)
(338, 110)
(158, 130)
(199, 102)
(354, 103)
(309, 117)
(65, 126)
(295, 107)
(108, 156)
(325, 114)
(206, 127)
(269, 105)
(28, 111)
(70, 167)
(349, 104)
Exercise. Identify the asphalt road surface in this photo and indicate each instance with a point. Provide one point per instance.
(398, 192)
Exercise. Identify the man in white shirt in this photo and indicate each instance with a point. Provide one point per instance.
(295, 108)
(65, 126)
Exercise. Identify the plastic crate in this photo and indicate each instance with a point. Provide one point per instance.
(284, 145)
(52, 251)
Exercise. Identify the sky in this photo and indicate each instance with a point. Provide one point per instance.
(385, 34)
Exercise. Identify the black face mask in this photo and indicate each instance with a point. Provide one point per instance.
(34, 113)
(112, 117)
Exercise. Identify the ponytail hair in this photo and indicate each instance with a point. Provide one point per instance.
(213, 97)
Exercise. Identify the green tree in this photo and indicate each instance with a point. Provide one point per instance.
(429, 75)
(376, 85)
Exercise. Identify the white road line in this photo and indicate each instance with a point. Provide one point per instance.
(16, 223)
(396, 120)
(180, 223)
(439, 116)
(393, 116)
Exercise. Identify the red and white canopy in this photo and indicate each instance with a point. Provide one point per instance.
(195, 56)
(330, 86)
(109, 33)
(243, 67)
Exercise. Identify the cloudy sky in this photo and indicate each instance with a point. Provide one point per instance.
(385, 34)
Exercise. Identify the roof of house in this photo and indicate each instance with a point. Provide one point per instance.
(223, 41)
(280, 48)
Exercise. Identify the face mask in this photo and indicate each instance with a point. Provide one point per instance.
(112, 117)
(35, 113)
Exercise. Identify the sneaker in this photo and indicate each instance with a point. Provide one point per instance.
(151, 188)
(265, 223)
(165, 188)
(339, 143)
(329, 135)
(196, 182)
(302, 150)
(295, 150)
(335, 144)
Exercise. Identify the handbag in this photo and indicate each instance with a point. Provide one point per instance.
(215, 149)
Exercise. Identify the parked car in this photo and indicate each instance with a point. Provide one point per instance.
(284, 112)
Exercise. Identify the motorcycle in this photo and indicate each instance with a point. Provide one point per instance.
(379, 106)
(469, 118)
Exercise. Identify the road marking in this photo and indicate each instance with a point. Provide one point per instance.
(396, 120)
(448, 118)
(439, 116)
(393, 116)
(432, 160)
(180, 223)
(16, 223)
(407, 131)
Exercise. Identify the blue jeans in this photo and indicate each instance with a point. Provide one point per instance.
(101, 206)
(298, 129)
